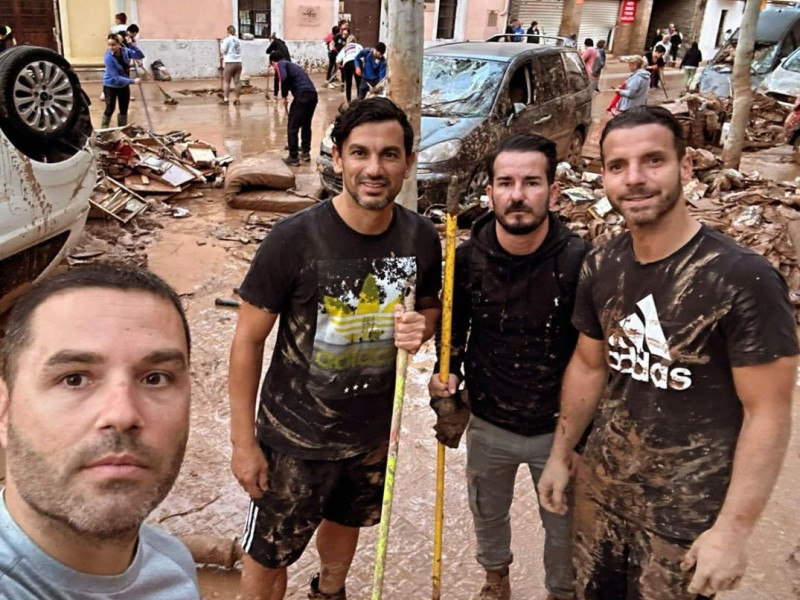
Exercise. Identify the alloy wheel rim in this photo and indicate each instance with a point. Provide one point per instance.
(43, 96)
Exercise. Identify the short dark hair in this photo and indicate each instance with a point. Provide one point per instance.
(646, 115)
(380, 47)
(102, 275)
(588, 42)
(133, 28)
(659, 48)
(231, 29)
(525, 142)
(371, 110)
(276, 56)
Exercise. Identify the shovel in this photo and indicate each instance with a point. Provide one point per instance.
(401, 367)
(167, 98)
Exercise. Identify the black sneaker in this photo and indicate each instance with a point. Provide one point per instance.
(305, 157)
(315, 594)
(292, 161)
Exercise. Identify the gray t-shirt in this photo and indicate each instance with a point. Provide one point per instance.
(162, 569)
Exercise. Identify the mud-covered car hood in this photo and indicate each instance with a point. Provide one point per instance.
(782, 83)
(441, 129)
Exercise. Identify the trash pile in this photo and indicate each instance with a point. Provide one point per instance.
(704, 116)
(759, 213)
(136, 165)
(208, 92)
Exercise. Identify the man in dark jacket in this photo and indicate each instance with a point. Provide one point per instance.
(294, 79)
(276, 44)
(514, 291)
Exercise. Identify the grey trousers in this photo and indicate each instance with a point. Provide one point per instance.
(493, 457)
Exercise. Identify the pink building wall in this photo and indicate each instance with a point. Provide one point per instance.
(195, 20)
(476, 25)
(308, 19)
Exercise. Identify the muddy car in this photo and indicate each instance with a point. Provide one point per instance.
(783, 84)
(476, 93)
(777, 36)
(47, 169)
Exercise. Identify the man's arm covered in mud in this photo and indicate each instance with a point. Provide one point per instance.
(719, 555)
(247, 354)
(584, 382)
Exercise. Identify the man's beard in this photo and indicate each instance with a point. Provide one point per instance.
(519, 228)
(376, 205)
(648, 215)
(115, 509)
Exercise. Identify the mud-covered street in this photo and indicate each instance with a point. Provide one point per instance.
(190, 255)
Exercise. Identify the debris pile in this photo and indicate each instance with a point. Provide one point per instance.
(137, 165)
(704, 115)
(761, 214)
(208, 92)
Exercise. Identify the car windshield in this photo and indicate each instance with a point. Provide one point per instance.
(459, 87)
(763, 57)
(793, 63)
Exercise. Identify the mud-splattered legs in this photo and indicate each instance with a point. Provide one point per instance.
(336, 545)
(261, 583)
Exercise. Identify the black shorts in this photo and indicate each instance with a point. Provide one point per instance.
(301, 493)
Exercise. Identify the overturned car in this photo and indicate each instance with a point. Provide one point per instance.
(47, 170)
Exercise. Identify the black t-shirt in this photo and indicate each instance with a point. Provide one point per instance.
(662, 446)
(328, 392)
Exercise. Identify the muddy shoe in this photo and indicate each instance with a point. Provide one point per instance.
(305, 157)
(315, 594)
(292, 161)
(497, 586)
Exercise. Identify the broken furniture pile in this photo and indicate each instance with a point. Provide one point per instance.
(761, 214)
(704, 116)
(137, 166)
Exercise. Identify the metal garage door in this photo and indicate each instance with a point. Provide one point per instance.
(598, 18)
(546, 12)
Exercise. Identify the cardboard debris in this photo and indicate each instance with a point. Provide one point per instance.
(153, 168)
(758, 213)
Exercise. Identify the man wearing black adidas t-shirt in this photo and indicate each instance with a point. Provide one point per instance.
(315, 458)
(688, 352)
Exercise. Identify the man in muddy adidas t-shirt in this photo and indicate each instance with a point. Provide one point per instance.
(335, 275)
(688, 349)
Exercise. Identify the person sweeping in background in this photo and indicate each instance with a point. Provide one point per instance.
(116, 79)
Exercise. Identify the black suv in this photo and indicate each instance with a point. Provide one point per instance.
(476, 93)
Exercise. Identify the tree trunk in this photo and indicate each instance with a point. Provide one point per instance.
(404, 45)
(742, 94)
(570, 18)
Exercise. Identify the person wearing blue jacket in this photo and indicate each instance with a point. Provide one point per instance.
(116, 80)
(636, 86)
(372, 64)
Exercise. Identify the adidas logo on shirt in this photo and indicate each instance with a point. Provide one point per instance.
(642, 352)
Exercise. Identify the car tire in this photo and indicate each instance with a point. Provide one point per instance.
(40, 96)
(575, 151)
(477, 183)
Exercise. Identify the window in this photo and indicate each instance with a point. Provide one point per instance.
(576, 71)
(723, 15)
(446, 26)
(551, 81)
(254, 18)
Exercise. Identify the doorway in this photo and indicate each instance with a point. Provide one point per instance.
(33, 21)
(365, 20)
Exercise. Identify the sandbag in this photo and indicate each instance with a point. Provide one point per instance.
(261, 172)
(272, 201)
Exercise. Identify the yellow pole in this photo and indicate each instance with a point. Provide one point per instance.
(451, 228)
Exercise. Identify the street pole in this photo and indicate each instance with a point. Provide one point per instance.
(404, 43)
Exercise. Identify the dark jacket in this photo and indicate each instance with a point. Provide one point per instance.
(294, 79)
(511, 325)
(692, 58)
(278, 45)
